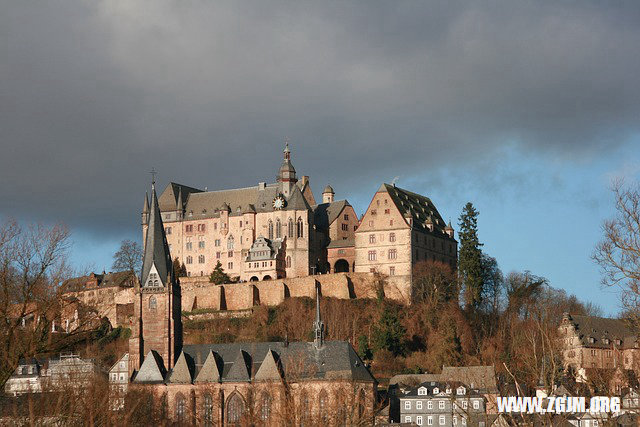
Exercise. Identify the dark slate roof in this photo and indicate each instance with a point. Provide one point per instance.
(270, 369)
(169, 198)
(476, 377)
(601, 329)
(342, 243)
(210, 370)
(326, 213)
(156, 249)
(152, 369)
(240, 369)
(108, 280)
(417, 207)
(334, 360)
(441, 386)
(297, 201)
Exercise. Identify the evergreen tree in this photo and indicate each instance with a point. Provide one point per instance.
(218, 276)
(176, 267)
(470, 257)
(389, 333)
(363, 348)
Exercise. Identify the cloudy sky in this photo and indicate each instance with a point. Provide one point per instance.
(527, 109)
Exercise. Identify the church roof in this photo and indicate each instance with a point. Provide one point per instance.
(183, 370)
(269, 369)
(156, 249)
(152, 369)
(297, 201)
(326, 213)
(417, 207)
(210, 371)
(298, 360)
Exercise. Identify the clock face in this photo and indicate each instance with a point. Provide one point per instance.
(278, 203)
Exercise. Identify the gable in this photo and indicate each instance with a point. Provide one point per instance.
(376, 216)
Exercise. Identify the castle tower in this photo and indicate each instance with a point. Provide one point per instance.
(287, 173)
(157, 324)
(328, 194)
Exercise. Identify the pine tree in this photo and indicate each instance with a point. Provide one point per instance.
(363, 348)
(218, 276)
(470, 257)
(389, 333)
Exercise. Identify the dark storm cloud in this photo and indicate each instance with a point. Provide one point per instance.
(96, 93)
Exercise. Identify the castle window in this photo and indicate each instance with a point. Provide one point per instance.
(374, 211)
(290, 227)
(322, 407)
(230, 254)
(153, 303)
(393, 254)
(230, 243)
(392, 237)
(372, 238)
(218, 255)
(288, 261)
(188, 228)
(372, 255)
(390, 222)
(387, 211)
(189, 259)
(201, 244)
(189, 246)
(168, 230)
(270, 233)
(230, 266)
(300, 228)
(346, 217)
(278, 229)
(345, 227)
(217, 242)
(201, 259)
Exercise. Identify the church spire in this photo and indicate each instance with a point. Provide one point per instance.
(287, 173)
(156, 259)
(318, 325)
(145, 209)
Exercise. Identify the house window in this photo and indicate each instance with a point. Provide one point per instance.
(392, 237)
(387, 211)
(230, 266)
(391, 222)
(429, 405)
(201, 244)
(441, 420)
(407, 404)
(372, 255)
(168, 230)
(201, 227)
(230, 243)
(464, 404)
(230, 254)
(419, 404)
(217, 242)
(189, 246)
(218, 255)
(189, 259)
(429, 420)
(374, 211)
(201, 259)
(407, 419)
(345, 227)
(441, 404)
(346, 217)
(188, 228)
(476, 404)
(419, 420)
(393, 254)
(372, 238)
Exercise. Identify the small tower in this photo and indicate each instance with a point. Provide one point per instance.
(328, 194)
(157, 308)
(449, 230)
(287, 173)
(318, 325)
(145, 209)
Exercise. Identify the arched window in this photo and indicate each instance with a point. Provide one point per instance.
(341, 408)
(361, 405)
(235, 409)
(230, 243)
(288, 261)
(300, 230)
(201, 259)
(278, 229)
(270, 230)
(153, 304)
(290, 228)
(265, 407)
(305, 406)
(323, 411)
(180, 407)
(207, 410)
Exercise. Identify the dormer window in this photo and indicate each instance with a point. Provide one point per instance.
(606, 340)
(460, 391)
(592, 340)
(436, 390)
(422, 391)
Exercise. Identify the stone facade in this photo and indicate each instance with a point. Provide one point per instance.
(399, 229)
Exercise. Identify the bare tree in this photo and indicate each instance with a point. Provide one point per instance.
(128, 257)
(618, 253)
(32, 267)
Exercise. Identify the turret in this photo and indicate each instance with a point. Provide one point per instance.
(328, 194)
(449, 230)
(287, 173)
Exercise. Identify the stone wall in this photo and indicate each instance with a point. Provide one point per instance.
(198, 293)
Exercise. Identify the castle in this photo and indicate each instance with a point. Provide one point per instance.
(277, 230)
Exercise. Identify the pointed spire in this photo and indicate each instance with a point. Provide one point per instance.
(286, 151)
(156, 256)
(318, 325)
(145, 207)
